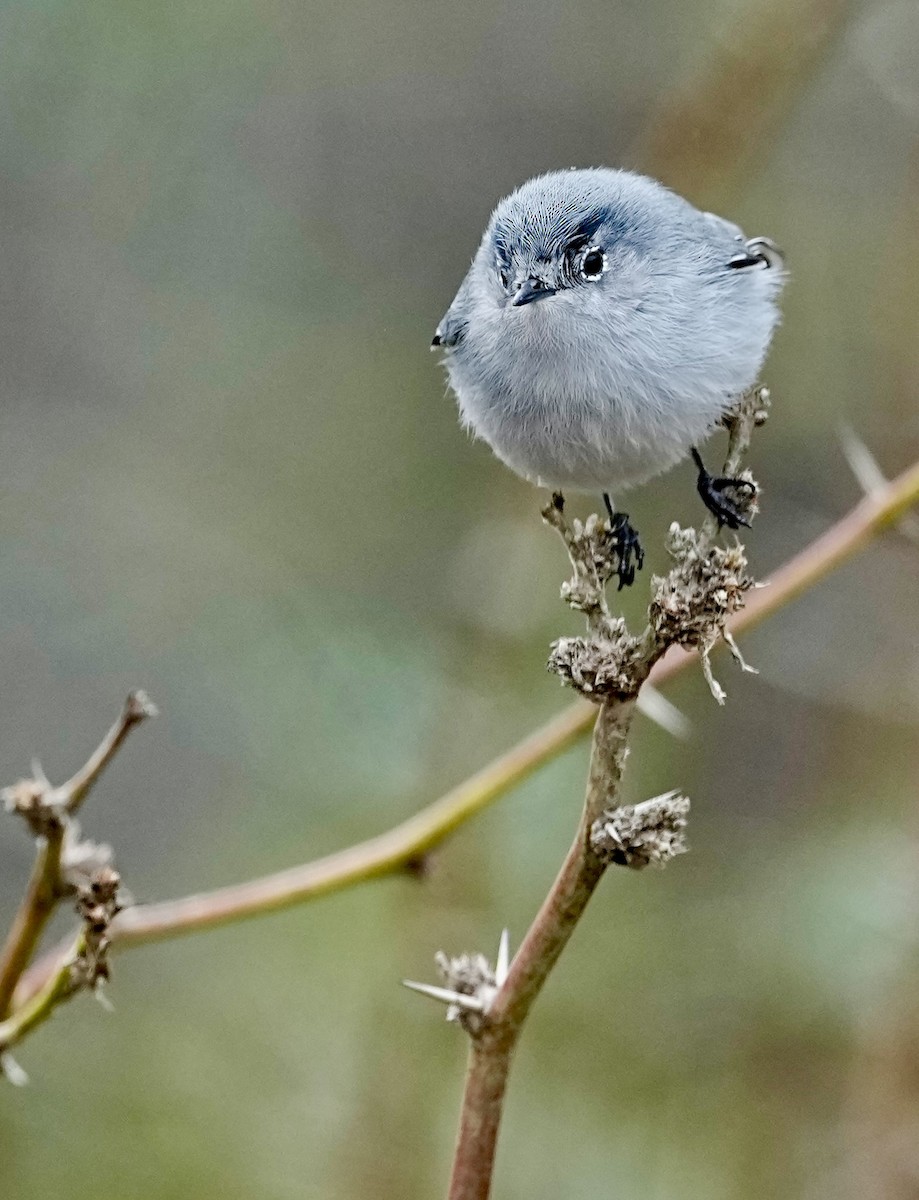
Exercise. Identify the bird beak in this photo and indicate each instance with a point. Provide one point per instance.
(532, 289)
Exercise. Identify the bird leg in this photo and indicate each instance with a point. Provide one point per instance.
(712, 490)
(628, 547)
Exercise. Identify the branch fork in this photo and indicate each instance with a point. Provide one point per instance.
(67, 867)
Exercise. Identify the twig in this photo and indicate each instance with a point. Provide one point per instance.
(38, 903)
(491, 1052)
(401, 848)
(71, 794)
(408, 843)
(59, 986)
(579, 875)
(63, 865)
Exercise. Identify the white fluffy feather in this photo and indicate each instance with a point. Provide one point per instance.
(605, 383)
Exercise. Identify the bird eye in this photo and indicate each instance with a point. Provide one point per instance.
(502, 275)
(593, 264)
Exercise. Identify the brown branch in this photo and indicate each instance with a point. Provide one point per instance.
(48, 812)
(579, 875)
(492, 1051)
(612, 664)
(38, 903)
(71, 794)
(483, 1103)
(59, 986)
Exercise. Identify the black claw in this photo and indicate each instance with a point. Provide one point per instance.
(558, 501)
(629, 549)
(712, 490)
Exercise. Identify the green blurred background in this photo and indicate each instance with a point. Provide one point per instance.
(229, 473)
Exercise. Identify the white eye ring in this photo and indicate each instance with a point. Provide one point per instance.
(595, 270)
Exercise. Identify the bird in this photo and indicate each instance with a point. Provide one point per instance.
(604, 330)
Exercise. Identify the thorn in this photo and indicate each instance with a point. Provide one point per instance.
(445, 995)
(101, 995)
(870, 477)
(863, 464)
(667, 795)
(11, 1069)
(657, 708)
(38, 774)
(502, 962)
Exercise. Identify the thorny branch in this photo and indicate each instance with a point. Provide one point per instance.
(407, 845)
(690, 606)
(66, 867)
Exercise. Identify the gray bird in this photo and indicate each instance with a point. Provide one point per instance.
(603, 330)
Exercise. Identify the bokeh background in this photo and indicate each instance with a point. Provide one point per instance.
(230, 474)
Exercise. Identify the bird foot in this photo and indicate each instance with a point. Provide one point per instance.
(629, 550)
(714, 488)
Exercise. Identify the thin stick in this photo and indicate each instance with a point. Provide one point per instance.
(38, 903)
(492, 1051)
(71, 794)
(48, 811)
(396, 850)
(59, 986)
(483, 1104)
